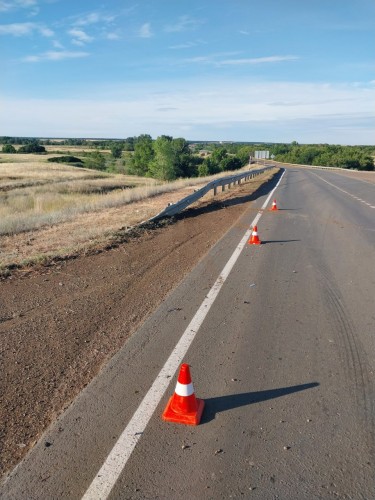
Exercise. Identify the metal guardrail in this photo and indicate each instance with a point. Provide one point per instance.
(180, 205)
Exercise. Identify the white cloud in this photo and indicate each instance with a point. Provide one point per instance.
(227, 110)
(183, 23)
(93, 18)
(218, 59)
(88, 19)
(113, 36)
(55, 55)
(57, 44)
(24, 29)
(145, 31)
(46, 32)
(258, 60)
(80, 37)
(17, 29)
(186, 45)
(8, 5)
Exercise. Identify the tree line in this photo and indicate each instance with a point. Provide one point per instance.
(326, 155)
(168, 158)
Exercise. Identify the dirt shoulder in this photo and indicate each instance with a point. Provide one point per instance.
(59, 324)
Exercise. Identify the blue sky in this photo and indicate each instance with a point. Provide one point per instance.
(239, 70)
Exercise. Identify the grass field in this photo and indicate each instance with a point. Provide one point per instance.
(50, 210)
(35, 193)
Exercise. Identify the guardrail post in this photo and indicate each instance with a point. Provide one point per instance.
(215, 191)
(222, 188)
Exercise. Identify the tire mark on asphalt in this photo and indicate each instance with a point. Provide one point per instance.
(356, 367)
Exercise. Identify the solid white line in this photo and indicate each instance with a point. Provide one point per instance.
(110, 471)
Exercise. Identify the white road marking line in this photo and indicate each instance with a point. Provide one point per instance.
(106, 478)
(343, 190)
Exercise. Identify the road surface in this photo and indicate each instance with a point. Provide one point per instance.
(284, 359)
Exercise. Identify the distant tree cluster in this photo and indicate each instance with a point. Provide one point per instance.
(167, 158)
(352, 157)
(219, 161)
(31, 146)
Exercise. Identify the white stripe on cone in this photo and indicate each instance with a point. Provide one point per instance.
(184, 389)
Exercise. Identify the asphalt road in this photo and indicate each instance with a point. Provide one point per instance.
(284, 359)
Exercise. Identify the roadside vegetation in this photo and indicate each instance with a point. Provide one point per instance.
(38, 191)
(326, 155)
(46, 182)
(167, 158)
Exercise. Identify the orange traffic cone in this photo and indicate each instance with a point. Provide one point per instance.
(183, 407)
(254, 239)
(274, 206)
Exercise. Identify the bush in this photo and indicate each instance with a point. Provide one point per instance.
(95, 160)
(8, 148)
(65, 159)
(33, 147)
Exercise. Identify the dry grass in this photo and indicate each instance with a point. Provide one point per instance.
(35, 193)
(95, 230)
(50, 209)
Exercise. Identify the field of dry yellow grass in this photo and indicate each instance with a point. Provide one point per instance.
(50, 209)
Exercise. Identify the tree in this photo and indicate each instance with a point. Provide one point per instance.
(244, 154)
(210, 166)
(116, 149)
(183, 161)
(32, 147)
(163, 165)
(218, 155)
(230, 163)
(8, 148)
(143, 155)
(203, 170)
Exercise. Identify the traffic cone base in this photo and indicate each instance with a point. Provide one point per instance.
(193, 418)
(254, 238)
(183, 407)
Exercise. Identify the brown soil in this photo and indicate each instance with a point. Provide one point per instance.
(60, 323)
(83, 232)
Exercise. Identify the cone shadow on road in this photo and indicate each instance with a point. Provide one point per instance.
(264, 242)
(225, 403)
